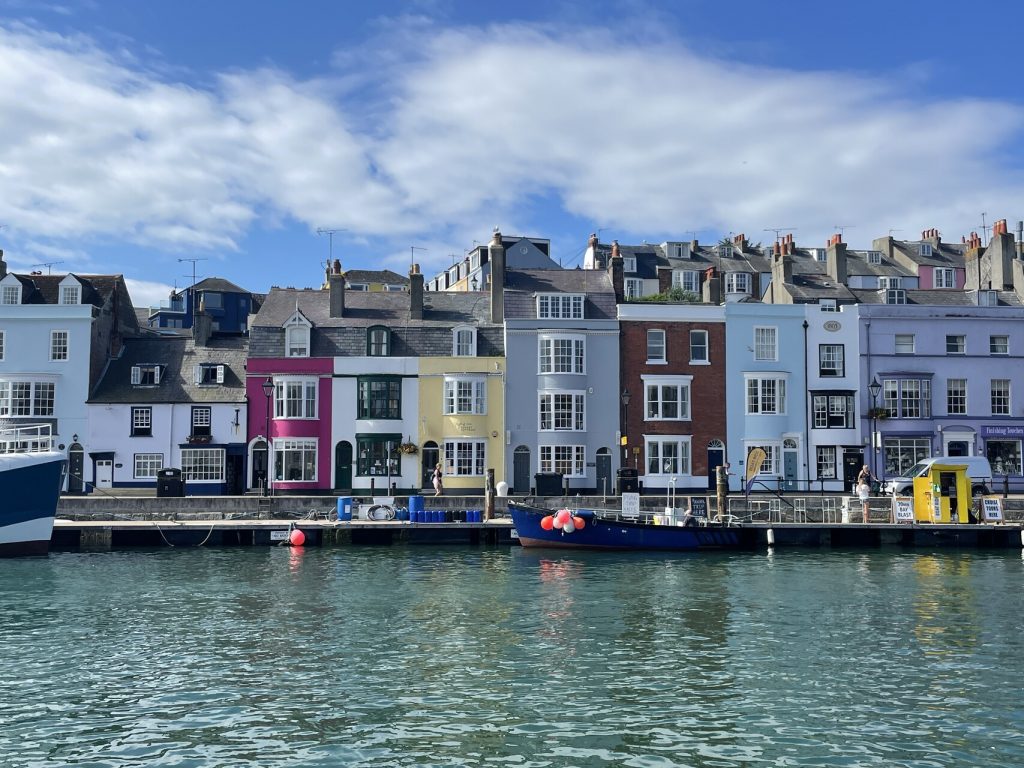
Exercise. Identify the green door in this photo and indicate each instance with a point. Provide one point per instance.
(343, 466)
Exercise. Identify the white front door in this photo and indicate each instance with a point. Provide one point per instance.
(104, 473)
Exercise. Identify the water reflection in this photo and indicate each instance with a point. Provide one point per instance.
(459, 656)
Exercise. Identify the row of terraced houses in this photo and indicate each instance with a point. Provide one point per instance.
(662, 360)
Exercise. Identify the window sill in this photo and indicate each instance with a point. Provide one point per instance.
(700, 362)
(657, 362)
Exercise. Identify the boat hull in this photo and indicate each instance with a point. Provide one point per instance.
(602, 533)
(29, 491)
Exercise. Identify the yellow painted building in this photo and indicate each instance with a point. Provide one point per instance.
(462, 420)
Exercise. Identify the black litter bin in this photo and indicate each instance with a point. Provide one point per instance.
(548, 483)
(629, 482)
(169, 483)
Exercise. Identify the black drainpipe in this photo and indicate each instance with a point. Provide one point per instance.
(807, 420)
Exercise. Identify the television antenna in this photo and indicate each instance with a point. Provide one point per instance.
(194, 260)
(48, 264)
(779, 230)
(330, 241)
(842, 228)
(984, 230)
(412, 253)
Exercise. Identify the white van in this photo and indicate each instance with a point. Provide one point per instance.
(979, 472)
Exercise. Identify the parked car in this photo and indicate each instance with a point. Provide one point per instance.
(979, 472)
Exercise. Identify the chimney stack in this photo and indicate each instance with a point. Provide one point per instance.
(496, 258)
(1020, 244)
(415, 293)
(835, 262)
(3, 265)
(202, 325)
(336, 286)
(615, 269)
(740, 241)
(592, 242)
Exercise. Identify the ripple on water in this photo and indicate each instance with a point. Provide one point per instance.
(443, 656)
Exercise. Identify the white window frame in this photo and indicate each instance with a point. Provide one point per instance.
(464, 395)
(706, 360)
(3, 344)
(831, 363)
(828, 305)
(559, 405)
(464, 341)
(686, 280)
(895, 296)
(208, 465)
(296, 397)
(825, 462)
(959, 343)
(465, 457)
(39, 399)
(560, 306)
(141, 419)
(766, 343)
(664, 463)
(1001, 389)
(944, 277)
(901, 340)
(655, 394)
(764, 386)
(633, 287)
(886, 283)
(199, 374)
(202, 416)
(137, 370)
(296, 340)
(772, 465)
(874, 257)
(629, 264)
(304, 447)
(738, 282)
(71, 294)
(997, 347)
(652, 335)
(925, 249)
(60, 349)
(149, 464)
(10, 294)
(553, 457)
(956, 397)
(551, 354)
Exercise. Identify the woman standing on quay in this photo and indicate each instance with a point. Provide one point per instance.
(864, 489)
(436, 477)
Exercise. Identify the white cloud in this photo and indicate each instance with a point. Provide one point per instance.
(647, 139)
(147, 294)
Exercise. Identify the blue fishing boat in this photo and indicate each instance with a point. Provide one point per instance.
(31, 474)
(608, 530)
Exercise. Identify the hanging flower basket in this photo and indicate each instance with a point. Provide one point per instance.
(407, 448)
(878, 413)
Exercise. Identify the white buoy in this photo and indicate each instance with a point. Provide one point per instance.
(771, 537)
(1022, 537)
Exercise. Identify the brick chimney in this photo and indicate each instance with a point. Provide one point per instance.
(592, 242)
(496, 257)
(615, 270)
(740, 241)
(712, 288)
(835, 261)
(336, 286)
(415, 293)
(3, 265)
(202, 325)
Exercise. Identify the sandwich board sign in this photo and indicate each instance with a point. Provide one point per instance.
(631, 505)
(992, 509)
(903, 509)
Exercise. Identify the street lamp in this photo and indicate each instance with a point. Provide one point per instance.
(874, 388)
(268, 392)
(624, 397)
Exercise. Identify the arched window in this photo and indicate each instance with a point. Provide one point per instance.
(378, 341)
(464, 341)
(296, 335)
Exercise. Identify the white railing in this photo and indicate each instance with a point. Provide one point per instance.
(32, 438)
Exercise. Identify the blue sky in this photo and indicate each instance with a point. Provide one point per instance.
(134, 135)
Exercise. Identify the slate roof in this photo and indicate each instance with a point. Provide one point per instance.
(809, 288)
(366, 308)
(938, 297)
(45, 289)
(521, 286)
(383, 276)
(943, 254)
(217, 284)
(177, 383)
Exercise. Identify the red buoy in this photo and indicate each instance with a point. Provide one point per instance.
(297, 538)
(547, 522)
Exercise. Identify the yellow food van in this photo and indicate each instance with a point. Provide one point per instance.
(943, 495)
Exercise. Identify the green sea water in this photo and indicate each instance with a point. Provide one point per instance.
(431, 656)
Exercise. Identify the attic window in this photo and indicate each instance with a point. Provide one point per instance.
(358, 287)
(629, 263)
(828, 305)
(11, 294)
(874, 257)
(679, 250)
(147, 375)
(70, 294)
(725, 251)
(895, 296)
(926, 249)
(820, 254)
(987, 299)
(886, 283)
(296, 340)
(378, 341)
(208, 374)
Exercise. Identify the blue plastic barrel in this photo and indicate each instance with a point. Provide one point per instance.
(415, 504)
(344, 507)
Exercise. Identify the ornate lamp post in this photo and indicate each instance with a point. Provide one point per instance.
(268, 392)
(874, 388)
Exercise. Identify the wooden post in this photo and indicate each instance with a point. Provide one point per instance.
(721, 488)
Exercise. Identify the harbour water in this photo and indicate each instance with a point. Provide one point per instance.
(429, 656)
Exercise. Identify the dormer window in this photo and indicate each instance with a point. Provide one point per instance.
(874, 257)
(11, 294)
(886, 283)
(358, 287)
(679, 250)
(559, 306)
(987, 299)
(926, 249)
(737, 282)
(71, 294)
(820, 254)
(378, 341)
(629, 263)
(296, 335)
(296, 341)
(464, 342)
(146, 375)
(725, 251)
(895, 296)
(208, 374)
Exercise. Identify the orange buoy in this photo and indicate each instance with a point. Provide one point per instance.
(297, 538)
(579, 523)
(547, 522)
